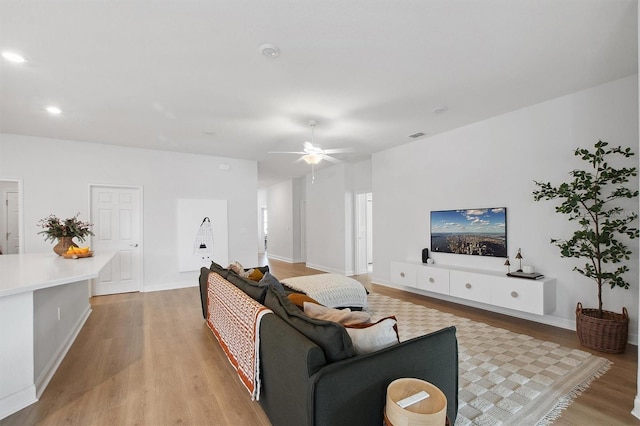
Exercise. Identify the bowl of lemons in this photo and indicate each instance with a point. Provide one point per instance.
(78, 252)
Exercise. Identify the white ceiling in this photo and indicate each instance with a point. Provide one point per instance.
(188, 76)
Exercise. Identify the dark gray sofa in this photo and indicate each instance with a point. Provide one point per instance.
(300, 387)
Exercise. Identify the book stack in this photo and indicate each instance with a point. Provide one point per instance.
(531, 276)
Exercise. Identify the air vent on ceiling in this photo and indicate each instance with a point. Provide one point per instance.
(417, 135)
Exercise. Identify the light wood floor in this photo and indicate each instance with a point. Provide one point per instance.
(149, 359)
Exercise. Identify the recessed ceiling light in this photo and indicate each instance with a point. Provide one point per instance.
(270, 50)
(440, 109)
(53, 110)
(13, 57)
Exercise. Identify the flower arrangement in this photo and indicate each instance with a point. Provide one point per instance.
(54, 228)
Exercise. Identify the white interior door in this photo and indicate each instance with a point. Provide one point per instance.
(116, 216)
(13, 220)
(361, 234)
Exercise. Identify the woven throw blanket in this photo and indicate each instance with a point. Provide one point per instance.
(234, 318)
(332, 290)
(505, 378)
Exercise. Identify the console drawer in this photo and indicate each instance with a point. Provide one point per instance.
(433, 279)
(468, 285)
(403, 274)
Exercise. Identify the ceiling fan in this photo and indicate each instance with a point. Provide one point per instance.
(313, 154)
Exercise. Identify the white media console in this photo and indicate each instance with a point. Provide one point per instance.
(477, 285)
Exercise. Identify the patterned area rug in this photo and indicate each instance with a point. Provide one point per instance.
(505, 378)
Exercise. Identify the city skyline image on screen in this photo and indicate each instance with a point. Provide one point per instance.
(481, 232)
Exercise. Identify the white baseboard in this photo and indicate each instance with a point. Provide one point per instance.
(52, 366)
(17, 401)
(281, 258)
(636, 407)
(170, 286)
(328, 269)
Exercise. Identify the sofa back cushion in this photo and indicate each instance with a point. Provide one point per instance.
(223, 272)
(251, 288)
(330, 336)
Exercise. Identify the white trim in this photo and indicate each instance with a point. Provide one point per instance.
(17, 401)
(170, 286)
(276, 257)
(21, 248)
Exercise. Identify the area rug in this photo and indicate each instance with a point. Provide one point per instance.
(505, 378)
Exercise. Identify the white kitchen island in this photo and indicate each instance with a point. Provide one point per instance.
(44, 302)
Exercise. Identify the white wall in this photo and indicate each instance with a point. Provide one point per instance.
(280, 207)
(56, 175)
(493, 163)
(329, 220)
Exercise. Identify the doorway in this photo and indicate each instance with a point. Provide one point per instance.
(364, 233)
(116, 214)
(10, 217)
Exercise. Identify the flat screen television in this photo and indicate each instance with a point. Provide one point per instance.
(481, 232)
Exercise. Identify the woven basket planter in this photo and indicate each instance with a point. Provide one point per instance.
(607, 334)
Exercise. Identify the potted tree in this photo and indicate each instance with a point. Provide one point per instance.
(589, 200)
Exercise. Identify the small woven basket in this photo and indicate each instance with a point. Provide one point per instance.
(607, 334)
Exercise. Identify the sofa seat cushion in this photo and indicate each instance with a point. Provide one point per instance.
(332, 337)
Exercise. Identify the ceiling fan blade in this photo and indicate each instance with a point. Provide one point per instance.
(287, 152)
(337, 150)
(331, 159)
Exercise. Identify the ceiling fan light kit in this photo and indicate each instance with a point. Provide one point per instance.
(312, 158)
(313, 154)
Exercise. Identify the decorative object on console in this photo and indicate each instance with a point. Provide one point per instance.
(589, 200)
(480, 232)
(507, 265)
(519, 257)
(64, 231)
(425, 255)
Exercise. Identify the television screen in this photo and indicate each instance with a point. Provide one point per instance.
(481, 232)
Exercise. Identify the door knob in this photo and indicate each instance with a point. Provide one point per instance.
(133, 245)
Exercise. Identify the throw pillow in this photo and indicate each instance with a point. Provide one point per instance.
(269, 280)
(330, 336)
(369, 338)
(341, 316)
(237, 268)
(298, 299)
(255, 274)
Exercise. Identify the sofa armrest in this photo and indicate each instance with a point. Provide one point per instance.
(353, 391)
(204, 275)
(287, 360)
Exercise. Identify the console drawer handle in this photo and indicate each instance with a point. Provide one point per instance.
(402, 274)
(467, 285)
(431, 280)
(514, 294)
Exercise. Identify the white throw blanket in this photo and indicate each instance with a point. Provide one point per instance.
(332, 290)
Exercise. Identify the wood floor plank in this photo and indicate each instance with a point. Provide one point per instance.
(150, 359)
